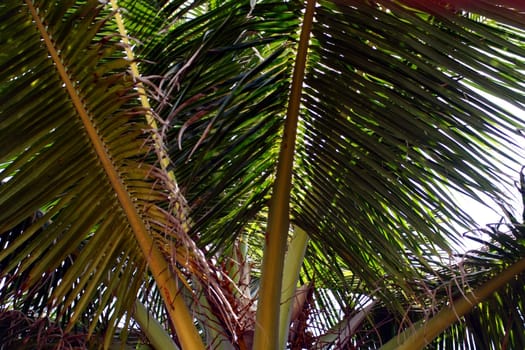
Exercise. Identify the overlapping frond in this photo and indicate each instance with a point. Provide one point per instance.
(494, 323)
(394, 109)
(223, 96)
(498, 322)
(393, 113)
(74, 150)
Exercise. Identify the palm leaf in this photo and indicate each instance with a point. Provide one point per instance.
(393, 114)
(78, 138)
(390, 113)
(393, 111)
(391, 117)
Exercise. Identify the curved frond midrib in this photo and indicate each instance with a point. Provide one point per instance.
(92, 88)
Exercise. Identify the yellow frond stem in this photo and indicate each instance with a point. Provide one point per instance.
(423, 333)
(267, 319)
(175, 304)
(180, 206)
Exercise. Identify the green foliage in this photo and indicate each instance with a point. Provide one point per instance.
(393, 112)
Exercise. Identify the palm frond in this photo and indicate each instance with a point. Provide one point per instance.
(391, 118)
(396, 109)
(393, 114)
(77, 137)
(495, 322)
(225, 87)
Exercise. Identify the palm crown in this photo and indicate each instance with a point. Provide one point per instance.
(272, 172)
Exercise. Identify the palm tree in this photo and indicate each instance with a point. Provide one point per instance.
(221, 174)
